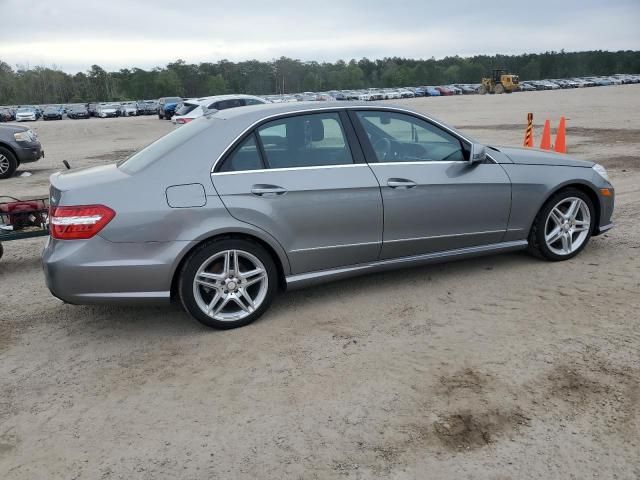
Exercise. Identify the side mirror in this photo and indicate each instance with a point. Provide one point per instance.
(478, 154)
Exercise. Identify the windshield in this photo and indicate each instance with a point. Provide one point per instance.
(25, 110)
(172, 100)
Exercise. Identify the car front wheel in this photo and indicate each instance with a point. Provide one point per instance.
(228, 283)
(8, 163)
(563, 226)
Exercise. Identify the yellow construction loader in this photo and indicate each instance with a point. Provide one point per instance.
(499, 82)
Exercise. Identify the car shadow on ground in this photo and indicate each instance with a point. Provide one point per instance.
(171, 320)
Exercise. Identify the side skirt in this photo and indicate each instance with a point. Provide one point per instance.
(312, 278)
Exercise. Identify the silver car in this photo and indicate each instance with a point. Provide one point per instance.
(233, 207)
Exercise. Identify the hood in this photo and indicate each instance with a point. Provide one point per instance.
(533, 156)
(13, 128)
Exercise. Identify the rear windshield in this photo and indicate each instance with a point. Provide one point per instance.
(186, 108)
(172, 100)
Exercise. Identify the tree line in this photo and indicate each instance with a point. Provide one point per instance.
(41, 85)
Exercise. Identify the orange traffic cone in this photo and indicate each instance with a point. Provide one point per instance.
(561, 146)
(545, 143)
(528, 136)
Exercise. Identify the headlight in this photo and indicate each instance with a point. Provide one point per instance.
(600, 170)
(26, 136)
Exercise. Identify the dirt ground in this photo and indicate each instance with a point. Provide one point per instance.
(503, 367)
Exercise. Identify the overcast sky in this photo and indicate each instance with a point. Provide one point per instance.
(74, 34)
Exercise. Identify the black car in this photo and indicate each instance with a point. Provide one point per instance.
(91, 108)
(52, 113)
(18, 145)
(76, 112)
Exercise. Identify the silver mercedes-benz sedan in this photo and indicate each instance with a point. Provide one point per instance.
(233, 207)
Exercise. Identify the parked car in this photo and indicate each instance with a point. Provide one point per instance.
(105, 110)
(167, 107)
(444, 91)
(289, 195)
(26, 114)
(431, 92)
(147, 107)
(18, 145)
(76, 112)
(7, 114)
(129, 109)
(192, 109)
(52, 112)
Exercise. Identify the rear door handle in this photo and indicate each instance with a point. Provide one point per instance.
(400, 183)
(267, 190)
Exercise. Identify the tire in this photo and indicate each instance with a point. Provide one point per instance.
(579, 229)
(225, 294)
(160, 116)
(482, 90)
(8, 163)
(499, 89)
(1, 250)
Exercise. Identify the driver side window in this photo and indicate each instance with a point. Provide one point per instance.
(396, 137)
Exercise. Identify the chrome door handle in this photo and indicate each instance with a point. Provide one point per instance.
(267, 190)
(400, 183)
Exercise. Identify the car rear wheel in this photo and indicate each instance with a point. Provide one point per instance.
(8, 163)
(563, 226)
(228, 283)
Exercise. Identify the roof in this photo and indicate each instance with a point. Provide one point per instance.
(254, 113)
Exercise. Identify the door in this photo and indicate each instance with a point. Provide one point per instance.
(433, 199)
(300, 180)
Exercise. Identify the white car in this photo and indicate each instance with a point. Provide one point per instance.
(130, 109)
(26, 115)
(106, 110)
(191, 109)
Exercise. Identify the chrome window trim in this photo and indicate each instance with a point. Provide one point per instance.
(419, 162)
(287, 169)
(331, 108)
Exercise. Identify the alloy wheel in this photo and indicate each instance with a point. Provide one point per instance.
(230, 285)
(4, 164)
(567, 226)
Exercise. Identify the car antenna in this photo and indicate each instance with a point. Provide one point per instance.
(66, 164)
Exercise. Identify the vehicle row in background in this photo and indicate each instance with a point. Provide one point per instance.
(166, 107)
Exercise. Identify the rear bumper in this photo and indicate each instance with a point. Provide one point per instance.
(97, 271)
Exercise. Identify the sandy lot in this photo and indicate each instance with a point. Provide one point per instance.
(496, 368)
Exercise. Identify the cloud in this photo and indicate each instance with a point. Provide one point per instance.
(117, 34)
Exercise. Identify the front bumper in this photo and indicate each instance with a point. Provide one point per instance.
(98, 271)
(28, 152)
(607, 204)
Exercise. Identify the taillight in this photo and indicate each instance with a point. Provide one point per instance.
(78, 222)
(183, 120)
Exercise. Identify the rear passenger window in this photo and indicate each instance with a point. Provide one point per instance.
(252, 101)
(246, 156)
(305, 141)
